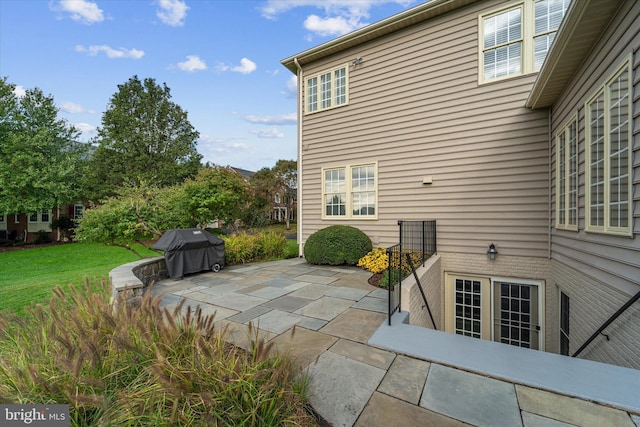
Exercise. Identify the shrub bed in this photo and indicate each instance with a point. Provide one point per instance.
(137, 366)
(243, 247)
(337, 245)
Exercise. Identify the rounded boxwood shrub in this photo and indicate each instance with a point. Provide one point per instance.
(337, 245)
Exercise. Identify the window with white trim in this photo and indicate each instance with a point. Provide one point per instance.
(515, 41)
(567, 176)
(608, 153)
(350, 191)
(326, 90)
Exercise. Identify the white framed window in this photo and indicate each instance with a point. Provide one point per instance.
(515, 41)
(350, 191)
(276, 198)
(40, 220)
(505, 310)
(567, 176)
(608, 155)
(327, 90)
(78, 210)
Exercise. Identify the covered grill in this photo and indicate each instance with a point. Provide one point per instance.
(191, 250)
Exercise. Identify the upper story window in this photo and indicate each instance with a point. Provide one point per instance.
(567, 176)
(78, 211)
(326, 90)
(350, 191)
(608, 156)
(516, 40)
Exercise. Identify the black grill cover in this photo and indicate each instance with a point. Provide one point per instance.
(190, 250)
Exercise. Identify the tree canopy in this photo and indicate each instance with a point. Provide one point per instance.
(40, 154)
(144, 137)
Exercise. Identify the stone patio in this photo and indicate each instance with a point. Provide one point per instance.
(324, 317)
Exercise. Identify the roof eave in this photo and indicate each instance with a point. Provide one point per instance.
(572, 44)
(388, 25)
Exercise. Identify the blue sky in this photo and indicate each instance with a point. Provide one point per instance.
(220, 58)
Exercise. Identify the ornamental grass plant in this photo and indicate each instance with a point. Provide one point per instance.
(143, 365)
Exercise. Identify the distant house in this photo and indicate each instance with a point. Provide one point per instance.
(27, 227)
(510, 122)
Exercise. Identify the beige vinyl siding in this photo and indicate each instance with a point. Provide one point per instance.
(612, 260)
(416, 108)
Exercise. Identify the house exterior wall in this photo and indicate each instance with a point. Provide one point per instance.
(600, 272)
(416, 108)
(591, 303)
(430, 277)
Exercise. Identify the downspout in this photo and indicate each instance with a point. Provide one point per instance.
(550, 177)
(299, 191)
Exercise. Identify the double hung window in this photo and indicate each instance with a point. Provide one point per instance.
(350, 191)
(516, 40)
(609, 156)
(326, 90)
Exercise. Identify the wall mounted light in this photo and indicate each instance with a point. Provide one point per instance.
(492, 253)
(357, 61)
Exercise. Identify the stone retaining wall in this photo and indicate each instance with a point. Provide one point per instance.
(135, 276)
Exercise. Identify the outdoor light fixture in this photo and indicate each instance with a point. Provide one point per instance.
(492, 253)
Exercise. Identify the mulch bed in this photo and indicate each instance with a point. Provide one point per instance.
(375, 279)
(20, 247)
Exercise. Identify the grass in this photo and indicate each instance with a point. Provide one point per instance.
(29, 275)
(143, 365)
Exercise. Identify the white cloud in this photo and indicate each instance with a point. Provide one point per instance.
(284, 119)
(193, 63)
(172, 12)
(340, 17)
(246, 66)
(86, 129)
(268, 133)
(82, 11)
(19, 91)
(328, 26)
(73, 108)
(110, 52)
(291, 88)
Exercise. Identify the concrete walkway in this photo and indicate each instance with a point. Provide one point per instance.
(325, 317)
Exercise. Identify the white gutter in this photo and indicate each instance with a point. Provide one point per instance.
(299, 190)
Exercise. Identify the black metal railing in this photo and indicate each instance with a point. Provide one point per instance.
(609, 321)
(417, 244)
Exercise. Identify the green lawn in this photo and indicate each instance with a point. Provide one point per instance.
(29, 275)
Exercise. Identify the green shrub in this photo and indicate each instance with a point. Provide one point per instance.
(243, 247)
(143, 365)
(337, 245)
(43, 237)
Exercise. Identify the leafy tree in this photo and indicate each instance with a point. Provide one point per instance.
(144, 137)
(286, 174)
(262, 188)
(40, 154)
(217, 193)
(138, 213)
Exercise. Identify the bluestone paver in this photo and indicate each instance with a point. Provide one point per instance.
(250, 314)
(355, 325)
(339, 387)
(471, 398)
(276, 321)
(534, 420)
(312, 291)
(372, 304)
(347, 293)
(363, 353)
(405, 379)
(570, 410)
(287, 303)
(386, 411)
(304, 345)
(236, 301)
(325, 308)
